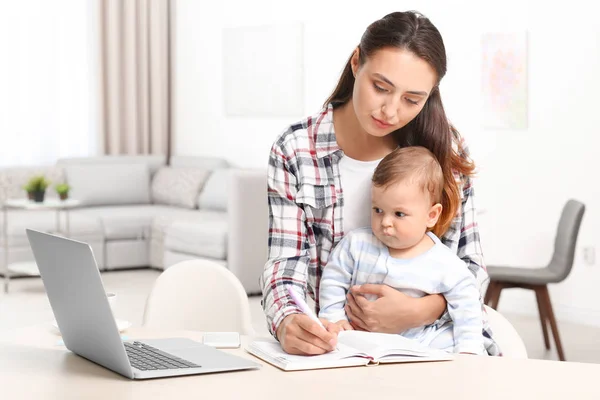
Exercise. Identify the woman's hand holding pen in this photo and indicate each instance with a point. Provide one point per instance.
(299, 334)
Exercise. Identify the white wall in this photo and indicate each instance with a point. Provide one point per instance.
(526, 176)
(47, 84)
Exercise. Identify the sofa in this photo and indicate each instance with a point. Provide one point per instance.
(137, 212)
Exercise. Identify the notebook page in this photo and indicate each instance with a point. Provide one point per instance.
(381, 344)
(272, 352)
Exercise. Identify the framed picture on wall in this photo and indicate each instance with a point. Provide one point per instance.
(504, 80)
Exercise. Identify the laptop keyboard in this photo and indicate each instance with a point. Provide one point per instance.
(145, 358)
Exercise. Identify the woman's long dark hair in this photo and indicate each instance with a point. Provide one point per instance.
(430, 128)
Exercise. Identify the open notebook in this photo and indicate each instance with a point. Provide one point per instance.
(354, 348)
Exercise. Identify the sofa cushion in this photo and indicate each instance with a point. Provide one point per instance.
(205, 239)
(109, 184)
(169, 215)
(135, 222)
(165, 218)
(178, 186)
(81, 227)
(214, 194)
(122, 222)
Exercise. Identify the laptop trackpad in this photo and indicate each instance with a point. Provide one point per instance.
(198, 353)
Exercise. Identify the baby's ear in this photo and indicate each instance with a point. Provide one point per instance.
(434, 214)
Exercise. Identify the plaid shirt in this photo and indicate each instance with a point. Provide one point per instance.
(305, 219)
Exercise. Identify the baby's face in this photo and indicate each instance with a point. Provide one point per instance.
(401, 214)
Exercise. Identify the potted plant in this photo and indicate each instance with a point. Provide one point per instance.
(29, 191)
(63, 190)
(36, 188)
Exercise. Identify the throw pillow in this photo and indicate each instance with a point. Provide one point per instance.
(178, 186)
(109, 184)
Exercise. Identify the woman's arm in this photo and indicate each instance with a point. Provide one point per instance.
(288, 248)
(466, 236)
(288, 263)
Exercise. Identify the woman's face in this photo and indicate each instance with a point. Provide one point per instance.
(390, 89)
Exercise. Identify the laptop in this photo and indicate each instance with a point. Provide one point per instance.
(84, 317)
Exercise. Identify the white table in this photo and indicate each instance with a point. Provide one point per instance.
(33, 365)
(30, 268)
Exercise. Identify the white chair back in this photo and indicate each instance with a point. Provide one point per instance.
(510, 343)
(198, 295)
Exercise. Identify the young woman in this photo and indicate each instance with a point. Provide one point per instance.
(319, 179)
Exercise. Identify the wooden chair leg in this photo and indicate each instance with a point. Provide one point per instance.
(550, 314)
(543, 317)
(489, 292)
(495, 297)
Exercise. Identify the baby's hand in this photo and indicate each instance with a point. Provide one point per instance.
(344, 325)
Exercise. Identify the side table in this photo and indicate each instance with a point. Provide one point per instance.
(30, 268)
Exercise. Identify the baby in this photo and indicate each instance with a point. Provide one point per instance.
(400, 250)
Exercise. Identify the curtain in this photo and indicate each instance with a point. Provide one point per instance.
(134, 63)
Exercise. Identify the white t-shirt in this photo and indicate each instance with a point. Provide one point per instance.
(356, 185)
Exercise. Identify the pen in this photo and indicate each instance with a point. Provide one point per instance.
(304, 307)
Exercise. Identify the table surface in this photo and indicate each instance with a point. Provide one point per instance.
(47, 204)
(34, 364)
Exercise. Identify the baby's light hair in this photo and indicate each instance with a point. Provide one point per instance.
(413, 163)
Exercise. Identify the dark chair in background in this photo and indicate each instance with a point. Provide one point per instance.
(537, 279)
